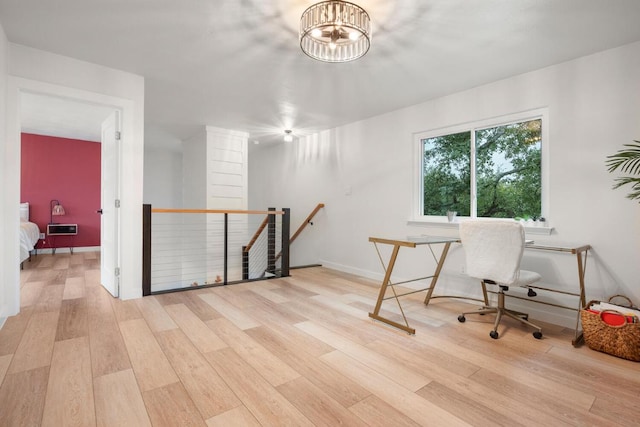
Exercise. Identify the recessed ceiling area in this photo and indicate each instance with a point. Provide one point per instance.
(237, 64)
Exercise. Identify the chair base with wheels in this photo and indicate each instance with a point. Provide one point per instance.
(500, 311)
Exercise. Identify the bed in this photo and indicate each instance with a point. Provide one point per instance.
(29, 233)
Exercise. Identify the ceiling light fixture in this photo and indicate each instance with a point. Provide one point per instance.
(335, 31)
(288, 137)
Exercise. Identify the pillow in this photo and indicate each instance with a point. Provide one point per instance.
(24, 211)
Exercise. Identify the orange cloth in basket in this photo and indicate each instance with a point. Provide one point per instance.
(613, 319)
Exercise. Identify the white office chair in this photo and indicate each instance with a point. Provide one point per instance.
(493, 252)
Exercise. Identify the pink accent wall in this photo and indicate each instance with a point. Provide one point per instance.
(67, 170)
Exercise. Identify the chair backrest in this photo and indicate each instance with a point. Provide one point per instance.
(493, 249)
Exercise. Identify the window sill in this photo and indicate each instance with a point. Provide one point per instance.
(434, 223)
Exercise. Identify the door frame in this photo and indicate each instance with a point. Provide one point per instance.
(15, 87)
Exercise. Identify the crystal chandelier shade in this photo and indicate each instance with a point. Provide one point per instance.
(335, 31)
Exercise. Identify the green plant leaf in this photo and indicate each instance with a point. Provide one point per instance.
(627, 161)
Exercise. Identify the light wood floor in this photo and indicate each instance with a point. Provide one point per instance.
(297, 351)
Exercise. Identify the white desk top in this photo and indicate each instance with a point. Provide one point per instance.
(427, 240)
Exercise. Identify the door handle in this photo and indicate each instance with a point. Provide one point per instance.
(99, 211)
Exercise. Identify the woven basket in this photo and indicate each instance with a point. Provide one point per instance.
(621, 341)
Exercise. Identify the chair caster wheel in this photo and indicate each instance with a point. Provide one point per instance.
(494, 335)
(461, 318)
(537, 335)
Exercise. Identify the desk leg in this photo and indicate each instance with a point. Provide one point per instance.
(383, 291)
(582, 303)
(436, 274)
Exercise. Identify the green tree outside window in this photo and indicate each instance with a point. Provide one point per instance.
(507, 171)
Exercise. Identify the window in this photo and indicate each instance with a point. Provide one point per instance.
(488, 170)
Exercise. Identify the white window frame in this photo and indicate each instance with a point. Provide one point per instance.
(417, 217)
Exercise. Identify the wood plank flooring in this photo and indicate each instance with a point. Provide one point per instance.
(298, 351)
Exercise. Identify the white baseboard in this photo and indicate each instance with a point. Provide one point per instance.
(66, 250)
(352, 270)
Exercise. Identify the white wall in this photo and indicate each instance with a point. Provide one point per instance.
(39, 71)
(162, 178)
(215, 169)
(364, 173)
(162, 169)
(8, 231)
(226, 166)
(194, 171)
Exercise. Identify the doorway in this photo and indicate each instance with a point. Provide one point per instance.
(53, 116)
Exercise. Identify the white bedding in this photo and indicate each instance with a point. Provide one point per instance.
(29, 235)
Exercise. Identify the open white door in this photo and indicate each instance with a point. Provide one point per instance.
(110, 201)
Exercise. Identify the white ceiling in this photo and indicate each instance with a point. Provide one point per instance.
(237, 64)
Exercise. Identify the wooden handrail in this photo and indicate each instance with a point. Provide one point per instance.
(302, 226)
(257, 234)
(306, 221)
(266, 221)
(216, 211)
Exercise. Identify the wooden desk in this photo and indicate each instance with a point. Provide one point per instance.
(411, 242)
(580, 251)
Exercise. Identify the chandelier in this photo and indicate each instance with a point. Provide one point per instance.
(335, 31)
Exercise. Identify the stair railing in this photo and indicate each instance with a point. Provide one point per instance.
(192, 245)
(271, 256)
(307, 221)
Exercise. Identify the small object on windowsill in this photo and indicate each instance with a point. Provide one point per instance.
(451, 216)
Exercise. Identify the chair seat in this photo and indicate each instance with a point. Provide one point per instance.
(526, 278)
